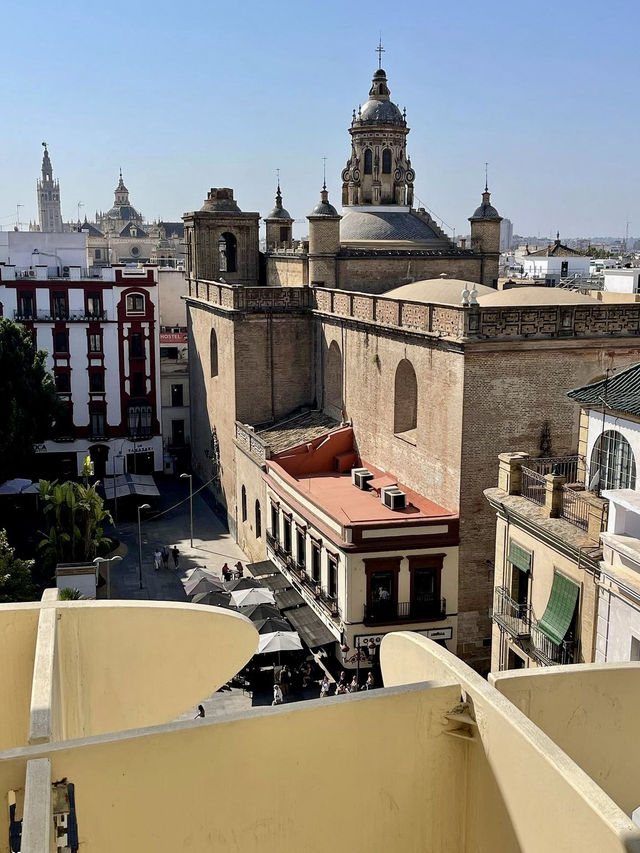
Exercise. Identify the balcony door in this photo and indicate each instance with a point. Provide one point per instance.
(426, 592)
(382, 589)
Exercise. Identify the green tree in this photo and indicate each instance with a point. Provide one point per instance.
(16, 582)
(77, 518)
(29, 401)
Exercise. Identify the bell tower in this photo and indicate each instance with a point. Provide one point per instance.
(485, 237)
(378, 171)
(49, 213)
(279, 225)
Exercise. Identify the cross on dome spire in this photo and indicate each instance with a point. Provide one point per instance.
(380, 50)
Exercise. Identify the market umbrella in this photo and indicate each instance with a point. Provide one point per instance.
(243, 583)
(279, 641)
(272, 624)
(243, 597)
(213, 599)
(257, 612)
(202, 581)
(14, 487)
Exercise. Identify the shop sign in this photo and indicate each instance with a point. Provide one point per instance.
(39, 448)
(437, 633)
(173, 337)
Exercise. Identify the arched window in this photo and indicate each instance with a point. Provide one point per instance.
(334, 376)
(213, 352)
(386, 161)
(405, 410)
(258, 520)
(135, 303)
(244, 504)
(368, 162)
(612, 463)
(227, 250)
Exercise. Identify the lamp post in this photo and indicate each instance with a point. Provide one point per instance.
(144, 506)
(190, 476)
(98, 561)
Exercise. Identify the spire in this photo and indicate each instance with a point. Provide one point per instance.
(47, 169)
(380, 51)
(486, 177)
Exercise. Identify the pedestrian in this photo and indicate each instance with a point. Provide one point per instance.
(176, 556)
(157, 559)
(324, 687)
(370, 683)
(277, 695)
(226, 573)
(285, 679)
(353, 687)
(200, 712)
(239, 569)
(165, 556)
(343, 678)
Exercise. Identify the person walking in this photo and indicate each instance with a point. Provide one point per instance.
(200, 712)
(157, 559)
(239, 569)
(165, 556)
(226, 573)
(277, 695)
(176, 556)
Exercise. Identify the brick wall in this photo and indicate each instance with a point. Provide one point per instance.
(377, 274)
(509, 391)
(249, 475)
(287, 271)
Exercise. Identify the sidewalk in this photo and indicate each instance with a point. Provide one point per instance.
(212, 546)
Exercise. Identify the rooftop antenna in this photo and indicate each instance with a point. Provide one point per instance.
(80, 204)
(18, 223)
(380, 51)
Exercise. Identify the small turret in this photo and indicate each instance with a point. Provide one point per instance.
(485, 238)
(279, 226)
(324, 242)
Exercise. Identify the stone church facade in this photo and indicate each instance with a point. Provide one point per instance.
(436, 375)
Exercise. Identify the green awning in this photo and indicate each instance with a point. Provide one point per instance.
(519, 557)
(559, 613)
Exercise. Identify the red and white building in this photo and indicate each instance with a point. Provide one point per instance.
(101, 335)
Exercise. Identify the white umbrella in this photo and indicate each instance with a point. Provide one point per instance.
(279, 641)
(243, 597)
(14, 487)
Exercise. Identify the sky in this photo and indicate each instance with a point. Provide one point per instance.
(191, 95)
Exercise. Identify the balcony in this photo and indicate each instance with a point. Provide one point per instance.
(513, 617)
(387, 612)
(548, 653)
(305, 582)
(62, 316)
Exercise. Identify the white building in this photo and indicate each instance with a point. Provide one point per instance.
(174, 370)
(554, 263)
(613, 453)
(622, 281)
(101, 336)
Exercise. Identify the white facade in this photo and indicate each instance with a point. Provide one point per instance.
(622, 281)
(618, 630)
(555, 267)
(27, 249)
(111, 392)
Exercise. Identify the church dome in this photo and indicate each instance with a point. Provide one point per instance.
(123, 211)
(279, 213)
(324, 208)
(486, 210)
(381, 112)
(371, 224)
(379, 109)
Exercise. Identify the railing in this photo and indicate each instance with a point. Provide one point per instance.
(315, 590)
(549, 653)
(571, 467)
(248, 439)
(513, 617)
(533, 486)
(407, 611)
(574, 508)
(64, 316)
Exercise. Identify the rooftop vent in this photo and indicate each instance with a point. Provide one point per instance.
(393, 497)
(360, 478)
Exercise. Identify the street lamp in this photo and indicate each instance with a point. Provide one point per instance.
(144, 506)
(190, 476)
(98, 561)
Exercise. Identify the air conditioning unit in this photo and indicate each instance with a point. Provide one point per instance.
(360, 478)
(393, 497)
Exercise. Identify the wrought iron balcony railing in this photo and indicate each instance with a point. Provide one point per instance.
(386, 612)
(513, 617)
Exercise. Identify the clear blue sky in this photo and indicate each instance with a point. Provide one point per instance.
(193, 94)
